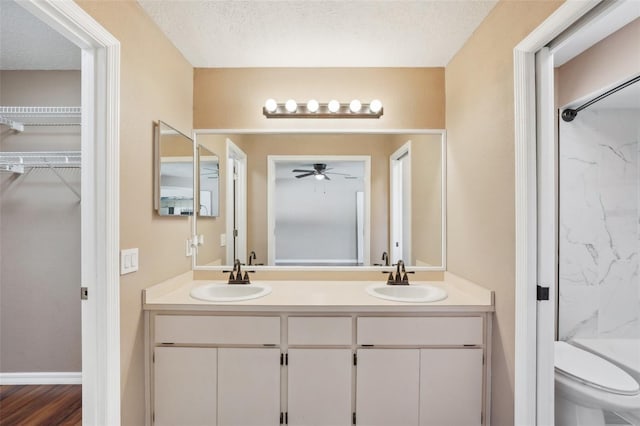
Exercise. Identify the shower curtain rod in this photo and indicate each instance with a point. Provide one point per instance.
(569, 114)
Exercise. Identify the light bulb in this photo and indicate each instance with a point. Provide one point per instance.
(334, 106)
(319, 176)
(291, 106)
(375, 106)
(271, 105)
(355, 105)
(312, 105)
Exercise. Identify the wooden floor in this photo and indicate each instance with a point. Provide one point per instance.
(41, 405)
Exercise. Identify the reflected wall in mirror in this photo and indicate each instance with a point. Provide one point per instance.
(208, 182)
(402, 215)
(174, 172)
(318, 210)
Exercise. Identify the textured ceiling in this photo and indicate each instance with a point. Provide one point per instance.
(26, 43)
(318, 33)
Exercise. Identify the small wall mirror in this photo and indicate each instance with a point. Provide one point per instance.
(323, 200)
(208, 183)
(174, 172)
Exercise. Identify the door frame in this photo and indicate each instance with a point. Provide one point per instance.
(535, 165)
(394, 192)
(100, 227)
(239, 207)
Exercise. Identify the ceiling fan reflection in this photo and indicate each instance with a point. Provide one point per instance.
(320, 172)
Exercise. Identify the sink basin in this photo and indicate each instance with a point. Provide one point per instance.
(407, 293)
(217, 292)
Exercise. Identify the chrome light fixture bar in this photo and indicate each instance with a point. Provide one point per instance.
(315, 109)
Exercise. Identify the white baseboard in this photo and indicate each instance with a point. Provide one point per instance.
(41, 378)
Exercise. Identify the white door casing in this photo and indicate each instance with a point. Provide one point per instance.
(400, 204)
(532, 367)
(100, 193)
(236, 210)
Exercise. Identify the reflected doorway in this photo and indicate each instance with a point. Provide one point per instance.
(400, 204)
(236, 236)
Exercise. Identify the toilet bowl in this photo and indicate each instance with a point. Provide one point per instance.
(586, 384)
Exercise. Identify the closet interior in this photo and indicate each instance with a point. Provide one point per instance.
(40, 257)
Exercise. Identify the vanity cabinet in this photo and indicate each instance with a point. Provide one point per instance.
(320, 369)
(439, 382)
(248, 386)
(185, 386)
(319, 387)
(387, 387)
(216, 386)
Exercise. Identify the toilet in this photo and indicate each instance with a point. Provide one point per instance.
(586, 384)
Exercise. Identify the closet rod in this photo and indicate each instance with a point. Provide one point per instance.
(570, 114)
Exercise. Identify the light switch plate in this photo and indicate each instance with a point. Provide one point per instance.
(128, 261)
(223, 240)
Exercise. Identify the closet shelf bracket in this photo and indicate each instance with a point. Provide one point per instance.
(13, 125)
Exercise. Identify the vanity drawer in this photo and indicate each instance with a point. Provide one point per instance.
(320, 331)
(420, 331)
(202, 329)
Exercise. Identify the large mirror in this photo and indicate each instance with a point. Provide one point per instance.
(326, 200)
(174, 172)
(208, 166)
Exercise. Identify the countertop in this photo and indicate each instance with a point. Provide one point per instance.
(318, 296)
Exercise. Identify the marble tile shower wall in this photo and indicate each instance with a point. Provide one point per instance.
(599, 295)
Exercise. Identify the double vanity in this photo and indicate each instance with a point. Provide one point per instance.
(318, 352)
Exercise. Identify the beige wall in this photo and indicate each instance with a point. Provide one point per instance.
(480, 174)
(232, 98)
(156, 84)
(607, 63)
(426, 207)
(40, 235)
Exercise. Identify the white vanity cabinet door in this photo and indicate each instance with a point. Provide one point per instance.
(450, 387)
(387, 387)
(248, 386)
(319, 387)
(185, 386)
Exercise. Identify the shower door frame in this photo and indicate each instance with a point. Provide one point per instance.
(536, 207)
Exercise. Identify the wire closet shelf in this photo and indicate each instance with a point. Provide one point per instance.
(19, 117)
(16, 162)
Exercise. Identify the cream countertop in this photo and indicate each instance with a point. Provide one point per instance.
(310, 296)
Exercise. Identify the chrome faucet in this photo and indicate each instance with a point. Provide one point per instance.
(236, 277)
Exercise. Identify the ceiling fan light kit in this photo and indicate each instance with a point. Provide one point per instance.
(315, 109)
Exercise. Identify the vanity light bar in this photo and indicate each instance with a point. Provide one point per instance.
(315, 109)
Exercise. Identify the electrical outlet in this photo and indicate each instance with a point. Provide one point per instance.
(128, 261)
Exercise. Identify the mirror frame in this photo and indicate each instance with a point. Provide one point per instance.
(443, 197)
(157, 167)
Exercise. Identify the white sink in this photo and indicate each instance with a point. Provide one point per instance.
(407, 293)
(217, 292)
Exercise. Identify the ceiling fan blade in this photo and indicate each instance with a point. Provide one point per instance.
(336, 173)
(302, 171)
(305, 175)
(326, 177)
